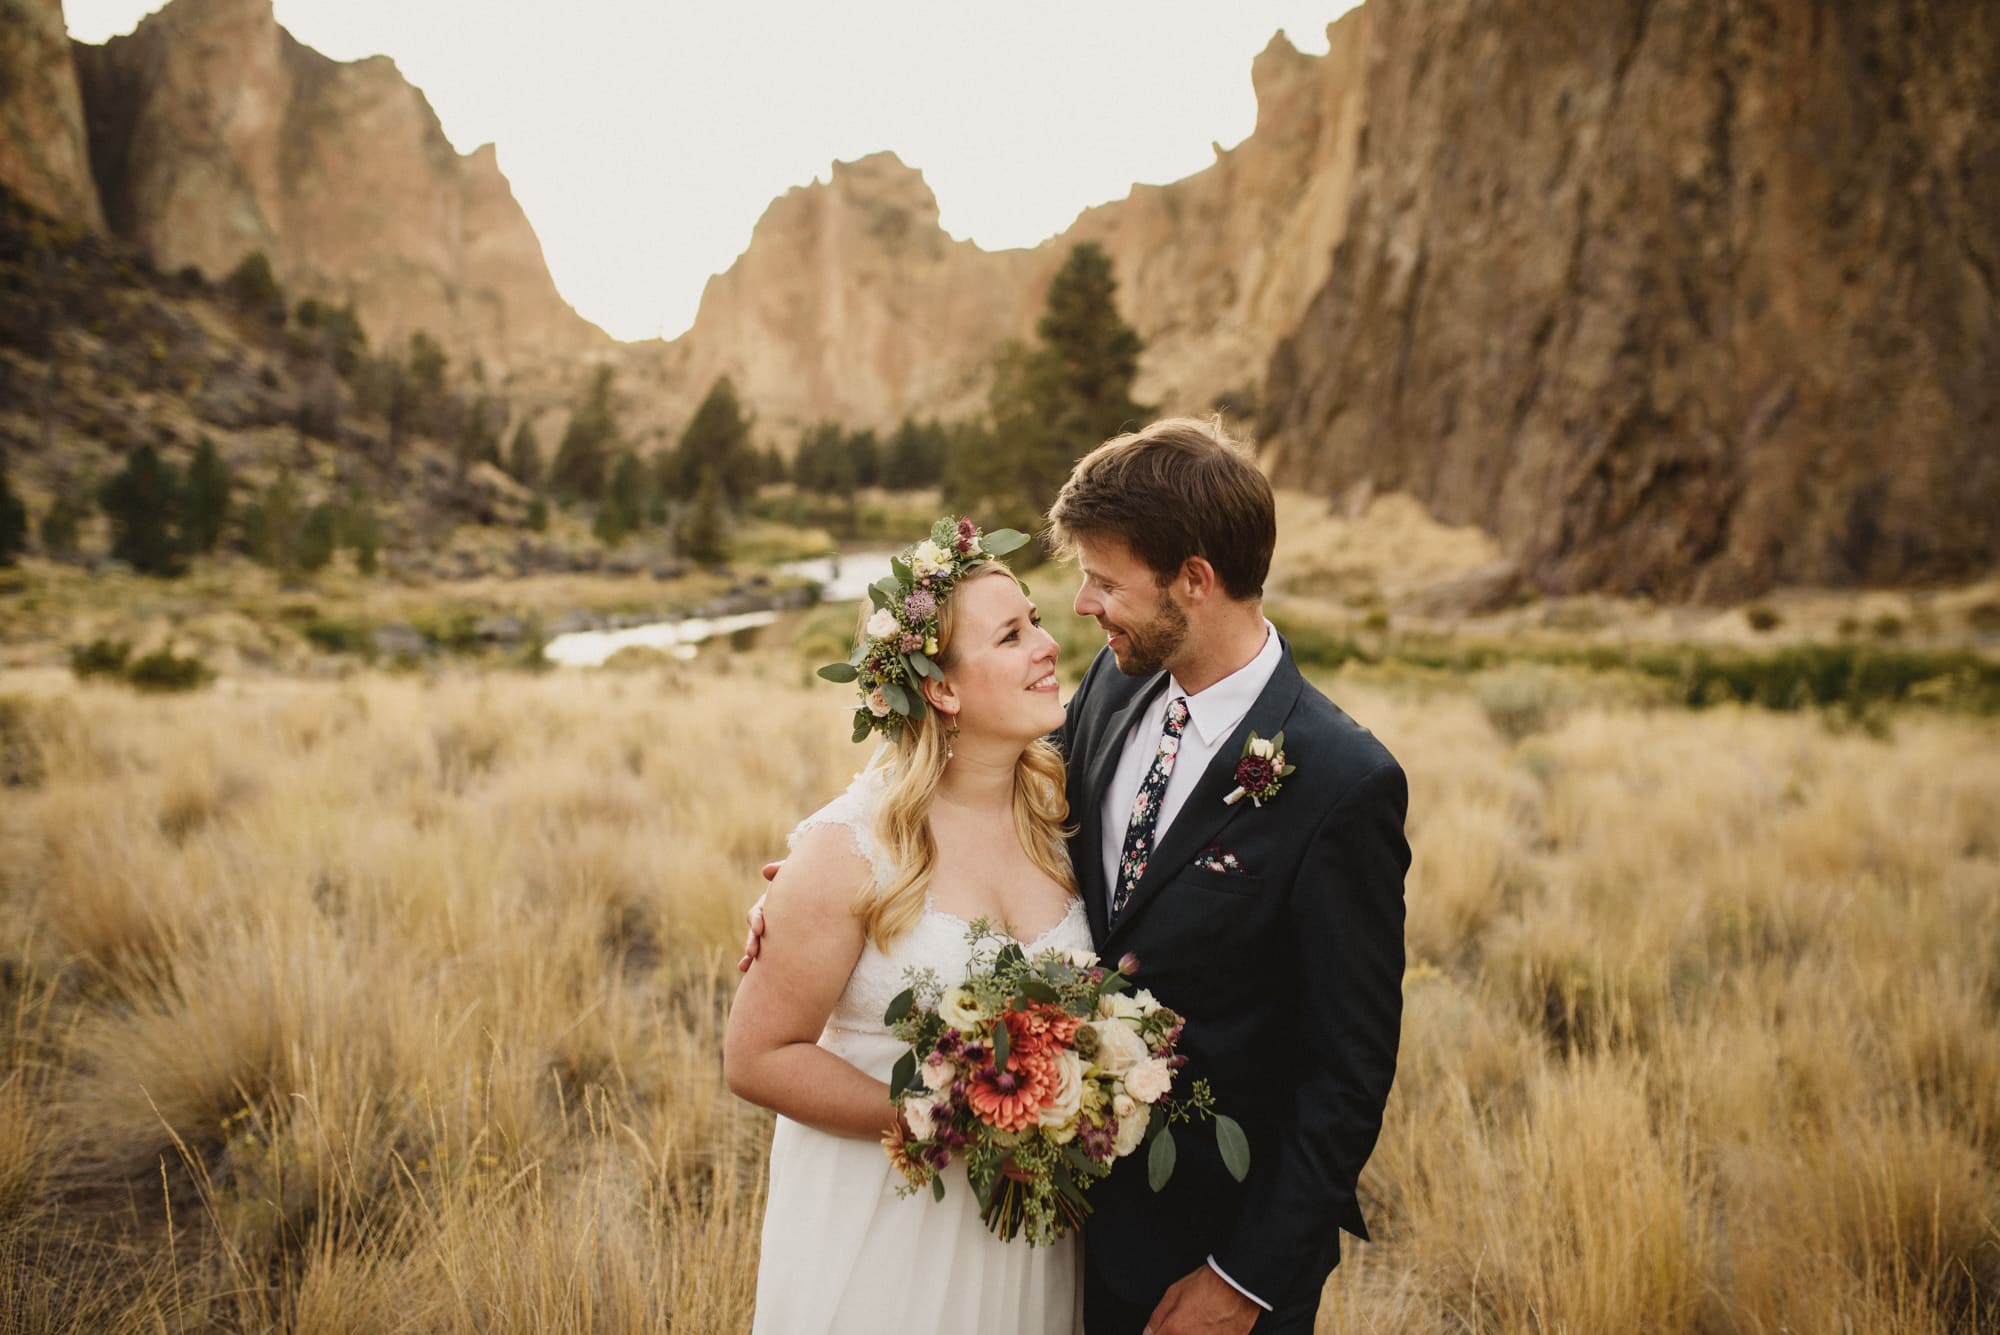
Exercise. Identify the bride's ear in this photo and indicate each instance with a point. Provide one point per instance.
(940, 696)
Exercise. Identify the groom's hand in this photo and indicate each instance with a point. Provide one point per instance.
(1202, 1304)
(753, 942)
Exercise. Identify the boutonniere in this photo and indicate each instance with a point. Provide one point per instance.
(1260, 771)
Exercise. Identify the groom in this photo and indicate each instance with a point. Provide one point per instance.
(1275, 927)
(1274, 924)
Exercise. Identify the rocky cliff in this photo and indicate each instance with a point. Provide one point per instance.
(213, 133)
(1215, 268)
(852, 302)
(43, 153)
(1674, 297)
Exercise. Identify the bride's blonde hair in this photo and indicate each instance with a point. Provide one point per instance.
(915, 762)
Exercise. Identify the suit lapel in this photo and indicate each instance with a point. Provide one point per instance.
(1090, 829)
(1203, 815)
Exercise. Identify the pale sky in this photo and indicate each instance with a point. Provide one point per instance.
(644, 138)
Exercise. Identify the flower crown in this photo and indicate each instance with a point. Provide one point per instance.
(900, 638)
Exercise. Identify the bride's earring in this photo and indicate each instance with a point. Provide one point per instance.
(950, 734)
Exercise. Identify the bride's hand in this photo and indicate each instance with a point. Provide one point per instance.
(753, 920)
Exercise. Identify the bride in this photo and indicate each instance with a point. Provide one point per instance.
(959, 816)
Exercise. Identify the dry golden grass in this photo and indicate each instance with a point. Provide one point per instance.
(394, 1005)
(1389, 562)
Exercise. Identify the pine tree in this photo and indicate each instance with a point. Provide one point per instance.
(143, 503)
(207, 498)
(361, 530)
(583, 457)
(524, 457)
(822, 463)
(271, 526)
(625, 502)
(336, 334)
(317, 538)
(60, 524)
(427, 363)
(718, 440)
(478, 437)
(13, 521)
(253, 287)
(915, 456)
(864, 453)
(1054, 402)
(703, 538)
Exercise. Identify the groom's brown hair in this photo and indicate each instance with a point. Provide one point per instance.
(1178, 488)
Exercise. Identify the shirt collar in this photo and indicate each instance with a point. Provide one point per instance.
(1215, 712)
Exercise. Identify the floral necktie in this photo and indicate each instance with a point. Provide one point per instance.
(1146, 807)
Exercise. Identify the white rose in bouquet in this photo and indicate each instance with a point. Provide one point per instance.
(1058, 1115)
(1118, 1006)
(1081, 959)
(1148, 1080)
(1119, 1047)
(1131, 1130)
(1145, 1001)
(937, 1072)
(882, 625)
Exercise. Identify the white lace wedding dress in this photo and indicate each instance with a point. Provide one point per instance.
(842, 1252)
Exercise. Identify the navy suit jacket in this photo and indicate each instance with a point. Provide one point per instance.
(1288, 975)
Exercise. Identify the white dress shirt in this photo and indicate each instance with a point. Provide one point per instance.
(1213, 715)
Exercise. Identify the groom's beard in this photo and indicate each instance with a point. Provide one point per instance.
(1149, 647)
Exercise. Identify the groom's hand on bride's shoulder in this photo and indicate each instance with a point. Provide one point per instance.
(1202, 1303)
(753, 940)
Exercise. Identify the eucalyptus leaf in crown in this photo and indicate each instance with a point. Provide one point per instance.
(899, 643)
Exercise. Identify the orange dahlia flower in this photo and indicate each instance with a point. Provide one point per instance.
(1013, 1098)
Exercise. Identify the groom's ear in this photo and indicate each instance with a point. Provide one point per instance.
(1196, 580)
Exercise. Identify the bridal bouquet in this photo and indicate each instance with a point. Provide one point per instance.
(1039, 1073)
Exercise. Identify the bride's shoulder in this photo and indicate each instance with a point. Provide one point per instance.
(848, 821)
(826, 863)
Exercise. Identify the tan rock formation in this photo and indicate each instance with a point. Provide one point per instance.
(851, 302)
(1675, 298)
(44, 156)
(214, 133)
(1215, 268)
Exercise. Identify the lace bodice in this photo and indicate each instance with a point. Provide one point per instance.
(937, 941)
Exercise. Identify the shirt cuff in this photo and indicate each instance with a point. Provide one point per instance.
(1238, 1287)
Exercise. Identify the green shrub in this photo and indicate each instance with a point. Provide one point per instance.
(338, 637)
(1523, 699)
(1762, 618)
(99, 658)
(1848, 677)
(253, 286)
(1888, 626)
(167, 671)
